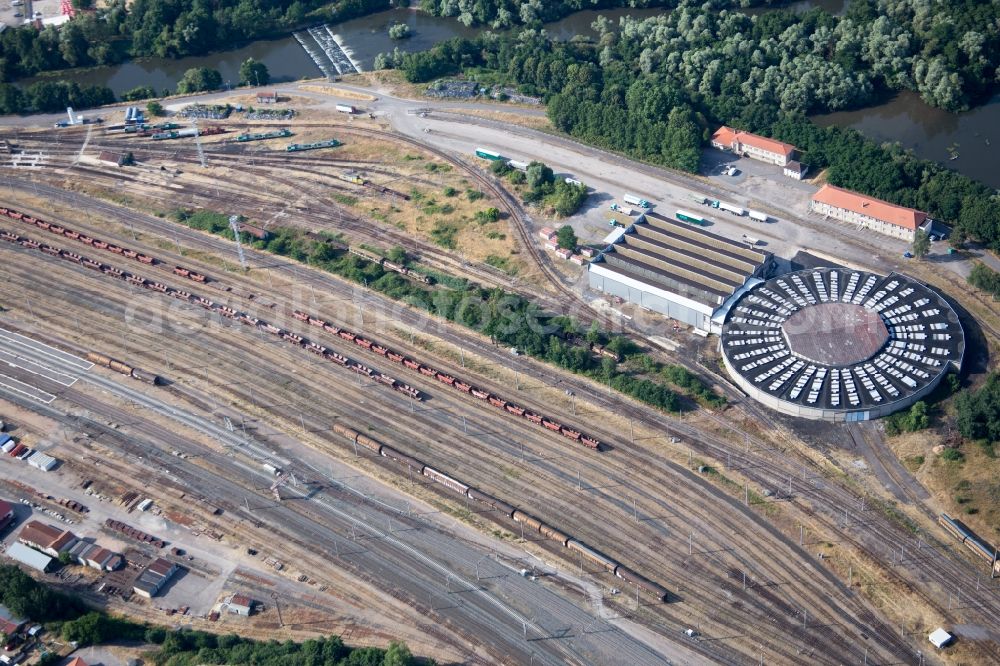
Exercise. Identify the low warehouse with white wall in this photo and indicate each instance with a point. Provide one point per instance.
(677, 269)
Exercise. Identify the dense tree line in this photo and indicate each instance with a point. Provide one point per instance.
(985, 278)
(192, 648)
(165, 28)
(977, 413)
(52, 96)
(656, 88)
(28, 599)
(949, 51)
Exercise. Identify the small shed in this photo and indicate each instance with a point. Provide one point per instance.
(267, 97)
(547, 233)
(551, 246)
(563, 253)
(241, 604)
(577, 259)
(796, 170)
(42, 461)
(587, 251)
(939, 638)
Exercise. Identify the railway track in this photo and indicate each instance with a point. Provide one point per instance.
(749, 464)
(692, 508)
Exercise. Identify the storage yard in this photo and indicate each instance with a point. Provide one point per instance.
(480, 505)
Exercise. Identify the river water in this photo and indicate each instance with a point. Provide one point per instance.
(931, 133)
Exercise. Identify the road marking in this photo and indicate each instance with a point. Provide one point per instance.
(35, 346)
(32, 392)
(46, 372)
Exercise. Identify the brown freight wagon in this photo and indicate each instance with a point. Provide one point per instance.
(370, 443)
(527, 519)
(402, 458)
(144, 376)
(552, 533)
(99, 359)
(118, 366)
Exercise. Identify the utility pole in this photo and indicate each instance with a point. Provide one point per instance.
(234, 224)
(197, 142)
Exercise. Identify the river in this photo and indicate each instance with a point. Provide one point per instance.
(929, 132)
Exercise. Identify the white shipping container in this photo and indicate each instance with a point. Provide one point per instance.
(520, 166)
(345, 108)
(760, 217)
(8, 447)
(735, 210)
(635, 201)
(145, 504)
(42, 461)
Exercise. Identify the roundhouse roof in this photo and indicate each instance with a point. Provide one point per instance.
(841, 340)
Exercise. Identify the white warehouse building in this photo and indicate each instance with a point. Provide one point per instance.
(678, 270)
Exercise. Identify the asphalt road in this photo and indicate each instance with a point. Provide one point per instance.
(511, 614)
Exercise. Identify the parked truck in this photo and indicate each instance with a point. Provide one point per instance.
(735, 210)
(635, 201)
(760, 217)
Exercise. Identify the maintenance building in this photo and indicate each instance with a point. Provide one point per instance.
(677, 269)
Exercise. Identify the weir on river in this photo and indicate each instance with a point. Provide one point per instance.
(326, 51)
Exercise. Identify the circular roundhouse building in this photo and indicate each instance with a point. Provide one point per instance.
(839, 344)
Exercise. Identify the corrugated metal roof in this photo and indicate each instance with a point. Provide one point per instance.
(28, 556)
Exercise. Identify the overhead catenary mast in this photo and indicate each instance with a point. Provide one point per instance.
(234, 224)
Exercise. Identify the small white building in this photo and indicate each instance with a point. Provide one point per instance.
(241, 604)
(42, 461)
(796, 170)
(939, 638)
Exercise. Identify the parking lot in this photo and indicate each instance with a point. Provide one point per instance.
(26, 8)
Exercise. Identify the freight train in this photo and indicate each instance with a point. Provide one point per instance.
(453, 484)
(95, 242)
(208, 304)
(526, 520)
(124, 368)
(297, 147)
(388, 265)
(980, 548)
(485, 396)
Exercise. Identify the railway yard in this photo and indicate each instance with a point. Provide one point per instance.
(361, 467)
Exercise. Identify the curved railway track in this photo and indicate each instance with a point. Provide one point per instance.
(784, 608)
(752, 466)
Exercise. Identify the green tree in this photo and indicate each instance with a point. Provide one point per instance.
(253, 73)
(397, 654)
(399, 31)
(138, 93)
(199, 79)
(921, 245)
(566, 237)
(154, 109)
(65, 558)
(539, 174)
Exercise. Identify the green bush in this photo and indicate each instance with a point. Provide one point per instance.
(952, 455)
